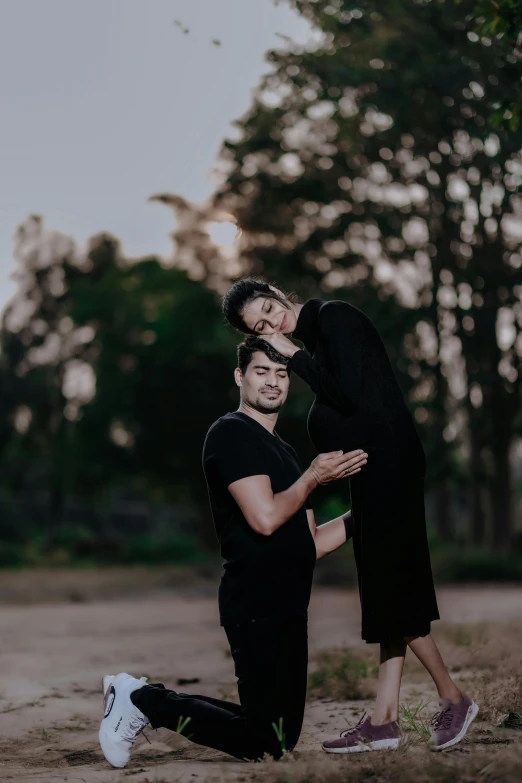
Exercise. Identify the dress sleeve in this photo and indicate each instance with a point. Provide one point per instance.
(232, 454)
(341, 337)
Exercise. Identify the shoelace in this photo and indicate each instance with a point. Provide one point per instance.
(443, 719)
(134, 729)
(353, 729)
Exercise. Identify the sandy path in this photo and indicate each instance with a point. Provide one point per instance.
(53, 655)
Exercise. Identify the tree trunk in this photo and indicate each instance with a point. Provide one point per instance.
(56, 512)
(479, 494)
(501, 501)
(444, 517)
(443, 229)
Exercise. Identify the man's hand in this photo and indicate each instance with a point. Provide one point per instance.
(336, 465)
(281, 343)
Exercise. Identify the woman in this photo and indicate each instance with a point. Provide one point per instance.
(359, 405)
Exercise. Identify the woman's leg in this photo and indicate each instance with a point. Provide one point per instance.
(450, 725)
(427, 652)
(390, 675)
(386, 707)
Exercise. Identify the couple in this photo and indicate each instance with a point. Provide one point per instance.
(269, 541)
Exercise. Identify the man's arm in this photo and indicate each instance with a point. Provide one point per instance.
(331, 535)
(265, 511)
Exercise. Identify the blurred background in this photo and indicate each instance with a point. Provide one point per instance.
(152, 153)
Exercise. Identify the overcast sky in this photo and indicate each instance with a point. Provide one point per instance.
(105, 102)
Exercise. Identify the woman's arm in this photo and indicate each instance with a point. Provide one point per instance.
(331, 535)
(342, 338)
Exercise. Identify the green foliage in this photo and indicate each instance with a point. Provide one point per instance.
(11, 555)
(502, 18)
(77, 547)
(380, 130)
(412, 720)
(350, 144)
(162, 363)
(280, 734)
(456, 564)
(341, 674)
(182, 725)
(451, 564)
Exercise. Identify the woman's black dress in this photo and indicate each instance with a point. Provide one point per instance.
(359, 405)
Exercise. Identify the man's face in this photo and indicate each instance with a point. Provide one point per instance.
(264, 385)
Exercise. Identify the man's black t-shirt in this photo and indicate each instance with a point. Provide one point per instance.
(263, 575)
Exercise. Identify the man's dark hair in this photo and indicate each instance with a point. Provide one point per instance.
(248, 347)
(244, 291)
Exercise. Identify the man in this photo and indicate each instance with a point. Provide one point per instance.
(269, 543)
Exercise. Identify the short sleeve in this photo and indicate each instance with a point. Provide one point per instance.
(307, 503)
(231, 453)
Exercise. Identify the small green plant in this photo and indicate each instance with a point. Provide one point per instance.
(413, 721)
(182, 725)
(342, 674)
(280, 734)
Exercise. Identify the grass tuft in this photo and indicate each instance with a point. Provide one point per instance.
(395, 767)
(413, 721)
(342, 674)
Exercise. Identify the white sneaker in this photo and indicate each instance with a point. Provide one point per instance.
(122, 721)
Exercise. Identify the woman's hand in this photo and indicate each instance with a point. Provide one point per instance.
(281, 343)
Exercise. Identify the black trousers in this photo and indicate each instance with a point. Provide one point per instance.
(270, 657)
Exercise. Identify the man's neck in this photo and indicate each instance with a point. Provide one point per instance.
(267, 420)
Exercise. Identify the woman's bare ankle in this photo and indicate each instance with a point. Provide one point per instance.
(380, 718)
(451, 694)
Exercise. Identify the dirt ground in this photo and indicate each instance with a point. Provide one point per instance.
(59, 633)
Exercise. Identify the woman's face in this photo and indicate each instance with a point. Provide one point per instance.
(268, 316)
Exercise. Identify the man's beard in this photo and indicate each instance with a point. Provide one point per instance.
(262, 406)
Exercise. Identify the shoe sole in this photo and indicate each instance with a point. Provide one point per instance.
(106, 750)
(104, 740)
(470, 717)
(387, 744)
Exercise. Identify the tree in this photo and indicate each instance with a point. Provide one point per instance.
(501, 20)
(164, 369)
(38, 349)
(114, 371)
(366, 169)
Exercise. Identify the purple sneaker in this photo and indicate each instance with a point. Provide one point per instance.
(365, 736)
(452, 722)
